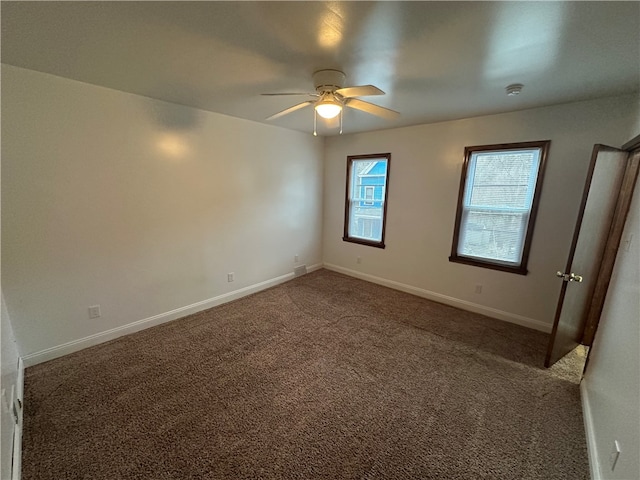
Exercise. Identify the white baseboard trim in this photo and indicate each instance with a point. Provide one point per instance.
(101, 337)
(454, 302)
(592, 452)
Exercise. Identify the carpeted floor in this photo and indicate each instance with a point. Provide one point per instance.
(323, 377)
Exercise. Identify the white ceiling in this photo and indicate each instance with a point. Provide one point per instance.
(435, 60)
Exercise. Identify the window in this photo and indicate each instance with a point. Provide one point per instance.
(366, 199)
(497, 205)
(368, 195)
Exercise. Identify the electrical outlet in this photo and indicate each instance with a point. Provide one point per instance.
(358, 259)
(230, 277)
(94, 311)
(478, 288)
(615, 453)
(295, 259)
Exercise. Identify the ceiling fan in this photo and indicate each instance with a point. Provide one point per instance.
(331, 97)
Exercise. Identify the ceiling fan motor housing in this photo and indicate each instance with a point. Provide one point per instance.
(328, 80)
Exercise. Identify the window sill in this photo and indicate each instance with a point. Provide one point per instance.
(362, 241)
(518, 269)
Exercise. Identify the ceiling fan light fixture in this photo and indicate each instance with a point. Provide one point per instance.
(328, 109)
(332, 97)
(328, 106)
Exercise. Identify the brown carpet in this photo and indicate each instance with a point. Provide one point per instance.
(323, 377)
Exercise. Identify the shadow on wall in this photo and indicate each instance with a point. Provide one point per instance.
(175, 124)
(175, 117)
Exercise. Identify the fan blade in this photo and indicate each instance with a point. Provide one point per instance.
(308, 94)
(372, 109)
(290, 109)
(360, 91)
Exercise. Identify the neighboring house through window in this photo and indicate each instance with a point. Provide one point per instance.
(369, 192)
(497, 205)
(366, 195)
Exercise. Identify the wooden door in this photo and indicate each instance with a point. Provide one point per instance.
(611, 248)
(579, 278)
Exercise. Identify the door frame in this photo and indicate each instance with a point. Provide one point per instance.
(605, 268)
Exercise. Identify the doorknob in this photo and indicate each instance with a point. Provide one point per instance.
(569, 277)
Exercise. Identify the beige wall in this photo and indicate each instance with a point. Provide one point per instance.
(635, 130)
(144, 207)
(423, 191)
(141, 206)
(611, 387)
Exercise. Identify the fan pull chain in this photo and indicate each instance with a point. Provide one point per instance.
(341, 110)
(315, 121)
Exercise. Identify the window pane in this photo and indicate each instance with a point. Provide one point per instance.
(499, 195)
(366, 222)
(493, 235)
(502, 179)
